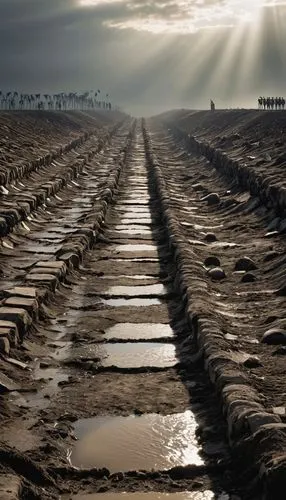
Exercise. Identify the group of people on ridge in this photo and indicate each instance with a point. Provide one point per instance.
(271, 103)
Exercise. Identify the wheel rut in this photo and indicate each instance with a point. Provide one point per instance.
(116, 398)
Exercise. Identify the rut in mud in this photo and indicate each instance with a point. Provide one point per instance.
(117, 384)
(136, 294)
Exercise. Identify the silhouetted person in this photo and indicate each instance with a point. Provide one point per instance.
(212, 105)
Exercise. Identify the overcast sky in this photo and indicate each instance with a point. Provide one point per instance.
(148, 55)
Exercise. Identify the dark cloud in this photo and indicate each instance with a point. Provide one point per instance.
(61, 45)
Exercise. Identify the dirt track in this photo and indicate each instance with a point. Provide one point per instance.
(127, 232)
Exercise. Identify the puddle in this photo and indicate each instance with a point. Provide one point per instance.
(132, 276)
(136, 291)
(139, 331)
(129, 229)
(135, 215)
(150, 441)
(41, 398)
(143, 220)
(152, 495)
(121, 302)
(136, 247)
(125, 209)
(134, 354)
(61, 349)
(134, 259)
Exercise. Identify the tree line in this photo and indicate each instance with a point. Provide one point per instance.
(13, 100)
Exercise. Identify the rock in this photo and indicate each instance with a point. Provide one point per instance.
(279, 410)
(102, 489)
(252, 362)
(210, 237)
(211, 199)
(281, 292)
(229, 336)
(274, 336)
(281, 351)
(248, 278)
(217, 273)
(270, 256)
(212, 261)
(245, 264)
(4, 346)
(7, 385)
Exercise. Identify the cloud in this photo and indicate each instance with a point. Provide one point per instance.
(148, 55)
(181, 16)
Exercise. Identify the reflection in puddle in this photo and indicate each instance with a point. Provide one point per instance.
(182, 495)
(134, 354)
(136, 215)
(135, 248)
(143, 221)
(139, 331)
(131, 302)
(136, 291)
(150, 441)
(131, 276)
(129, 229)
(41, 399)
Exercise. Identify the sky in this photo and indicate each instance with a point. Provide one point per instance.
(149, 56)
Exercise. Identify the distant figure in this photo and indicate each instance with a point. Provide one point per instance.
(212, 105)
(260, 102)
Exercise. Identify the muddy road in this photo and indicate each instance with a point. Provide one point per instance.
(136, 294)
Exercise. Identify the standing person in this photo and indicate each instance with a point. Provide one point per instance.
(212, 105)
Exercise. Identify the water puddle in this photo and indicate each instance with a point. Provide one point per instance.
(131, 276)
(143, 220)
(141, 247)
(122, 302)
(41, 399)
(135, 215)
(150, 441)
(134, 259)
(135, 354)
(125, 209)
(131, 229)
(152, 495)
(139, 331)
(136, 291)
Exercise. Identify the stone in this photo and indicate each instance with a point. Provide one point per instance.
(216, 273)
(212, 261)
(21, 291)
(30, 305)
(281, 351)
(252, 362)
(7, 385)
(259, 419)
(57, 265)
(46, 280)
(211, 199)
(4, 346)
(274, 336)
(9, 329)
(71, 259)
(17, 315)
(210, 237)
(270, 256)
(248, 278)
(245, 264)
(279, 410)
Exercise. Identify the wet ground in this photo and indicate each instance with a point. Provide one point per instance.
(111, 395)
